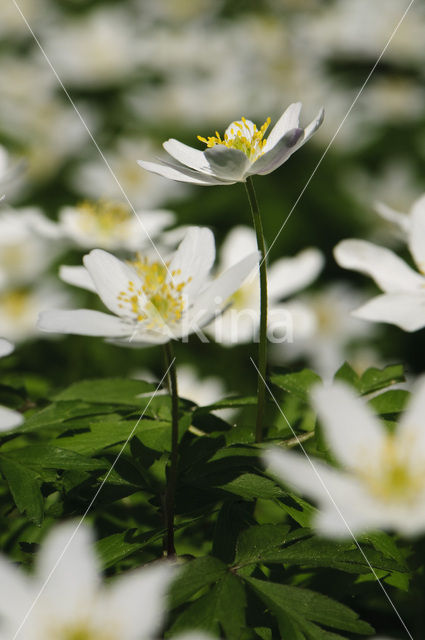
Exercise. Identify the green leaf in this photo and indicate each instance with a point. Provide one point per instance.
(254, 543)
(49, 457)
(118, 546)
(251, 486)
(58, 412)
(109, 390)
(390, 402)
(196, 575)
(375, 379)
(299, 383)
(228, 403)
(347, 374)
(302, 605)
(24, 487)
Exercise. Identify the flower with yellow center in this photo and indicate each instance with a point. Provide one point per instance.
(242, 152)
(152, 302)
(381, 483)
(66, 600)
(111, 225)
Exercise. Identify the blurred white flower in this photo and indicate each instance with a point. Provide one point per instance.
(403, 301)
(323, 330)
(97, 49)
(153, 302)
(243, 151)
(19, 309)
(93, 179)
(381, 483)
(403, 221)
(26, 249)
(9, 419)
(241, 322)
(66, 598)
(112, 225)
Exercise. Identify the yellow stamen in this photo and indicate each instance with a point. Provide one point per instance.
(249, 142)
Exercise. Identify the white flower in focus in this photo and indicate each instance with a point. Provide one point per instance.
(111, 225)
(323, 329)
(66, 599)
(403, 300)
(381, 483)
(242, 152)
(152, 302)
(241, 321)
(9, 419)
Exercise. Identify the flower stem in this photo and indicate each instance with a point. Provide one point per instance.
(172, 467)
(262, 348)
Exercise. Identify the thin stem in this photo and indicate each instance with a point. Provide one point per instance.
(172, 467)
(262, 347)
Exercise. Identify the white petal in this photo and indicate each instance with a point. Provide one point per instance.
(352, 431)
(68, 565)
(210, 301)
(138, 600)
(388, 270)
(83, 322)
(417, 233)
(239, 242)
(288, 120)
(227, 163)
(181, 174)
(402, 220)
(77, 276)
(278, 154)
(194, 258)
(312, 127)
(110, 277)
(9, 419)
(405, 310)
(288, 275)
(17, 595)
(309, 476)
(190, 157)
(6, 347)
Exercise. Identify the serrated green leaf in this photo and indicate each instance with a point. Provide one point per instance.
(255, 542)
(196, 575)
(58, 412)
(228, 403)
(305, 605)
(299, 383)
(347, 374)
(24, 487)
(50, 457)
(118, 546)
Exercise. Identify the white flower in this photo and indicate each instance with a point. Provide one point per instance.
(9, 419)
(19, 309)
(242, 152)
(403, 221)
(381, 483)
(323, 329)
(152, 302)
(26, 249)
(93, 179)
(241, 322)
(72, 602)
(112, 225)
(403, 301)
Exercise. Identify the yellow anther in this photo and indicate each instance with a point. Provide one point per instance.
(249, 142)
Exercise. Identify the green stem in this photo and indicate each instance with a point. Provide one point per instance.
(172, 467)
(262, 347)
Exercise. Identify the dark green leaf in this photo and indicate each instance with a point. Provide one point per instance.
(299, 383)
(24, 487)
(196, 575)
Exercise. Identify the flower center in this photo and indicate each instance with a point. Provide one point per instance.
(394, 478)
(102, 217)
(158, 300)
(79, 631)
(14, 303)
(242, 135)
